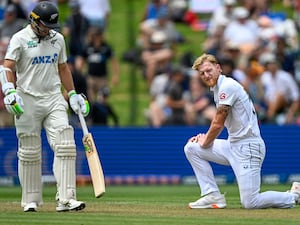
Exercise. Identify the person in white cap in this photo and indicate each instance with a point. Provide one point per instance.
(221, 16)
(242, 31)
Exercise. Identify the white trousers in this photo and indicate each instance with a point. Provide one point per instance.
(246, 160)
(49, 113)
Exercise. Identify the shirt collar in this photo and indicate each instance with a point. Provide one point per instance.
(219, 81)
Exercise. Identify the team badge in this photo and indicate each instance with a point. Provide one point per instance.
(222, 96)
(31, 44)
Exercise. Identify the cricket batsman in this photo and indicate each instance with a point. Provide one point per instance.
(37, 55)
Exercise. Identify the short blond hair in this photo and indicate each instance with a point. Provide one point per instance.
(201, 59)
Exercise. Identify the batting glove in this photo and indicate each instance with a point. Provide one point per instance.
(79, 102)
(13, 102)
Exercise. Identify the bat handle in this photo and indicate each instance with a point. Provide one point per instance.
(83, 123)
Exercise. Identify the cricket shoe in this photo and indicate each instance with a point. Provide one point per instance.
(209, 202)
(295, 189)
(71, 205)
(30, 207)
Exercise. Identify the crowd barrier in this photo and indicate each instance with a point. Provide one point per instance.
(149, 155)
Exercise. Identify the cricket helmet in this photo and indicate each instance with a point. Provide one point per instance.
(47, 13)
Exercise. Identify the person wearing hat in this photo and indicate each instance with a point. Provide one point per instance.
(221, 16)
(157, 57)
(163, 23)
(243, 31)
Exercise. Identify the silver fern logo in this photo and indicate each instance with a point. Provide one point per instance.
(53, 16)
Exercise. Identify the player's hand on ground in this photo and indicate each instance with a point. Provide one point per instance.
(79, 102)
(14, 103)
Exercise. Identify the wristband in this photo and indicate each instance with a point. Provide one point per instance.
(71, 93)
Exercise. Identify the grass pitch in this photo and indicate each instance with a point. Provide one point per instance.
(143, 205)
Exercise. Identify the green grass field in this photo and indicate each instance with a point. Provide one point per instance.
(143, 205)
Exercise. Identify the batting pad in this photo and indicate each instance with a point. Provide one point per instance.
(64, 164)
(29, 168)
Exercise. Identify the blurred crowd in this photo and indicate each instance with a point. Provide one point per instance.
(255, 45)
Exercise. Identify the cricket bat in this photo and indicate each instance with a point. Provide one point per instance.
(94, 163)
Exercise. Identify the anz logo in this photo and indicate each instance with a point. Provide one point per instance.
(45, 59)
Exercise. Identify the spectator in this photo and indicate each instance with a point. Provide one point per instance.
(254, 87)
(281, 91)
(256, 7)
(229, 68)
(178, 9)
(96, 11)
(152, 8)
(221, 16)
(11, 23)
(75, 29)
(267, 33)
(286, 55)
(157, 58)
(102, 111)
(231, 50)
(175, 98)
(242, 31)
(214, 44)
(161, 23)
(158, 111)
(285, 27)
(98, 54)
(21, 14)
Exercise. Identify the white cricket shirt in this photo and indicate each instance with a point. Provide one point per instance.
(241, 122)
(37, 61)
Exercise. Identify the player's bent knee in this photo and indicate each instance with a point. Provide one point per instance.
(249, 203)
(190, 148)
(64, 144)
(29, 148)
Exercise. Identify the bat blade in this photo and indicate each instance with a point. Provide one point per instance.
(94, 163)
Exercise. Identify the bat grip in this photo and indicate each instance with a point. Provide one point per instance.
(83, 123)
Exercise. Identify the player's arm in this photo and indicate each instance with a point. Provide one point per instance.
(216, 126)
(10, 66)
(77, 101)
(66, 77)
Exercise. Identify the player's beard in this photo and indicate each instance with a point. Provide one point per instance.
(209, 82)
